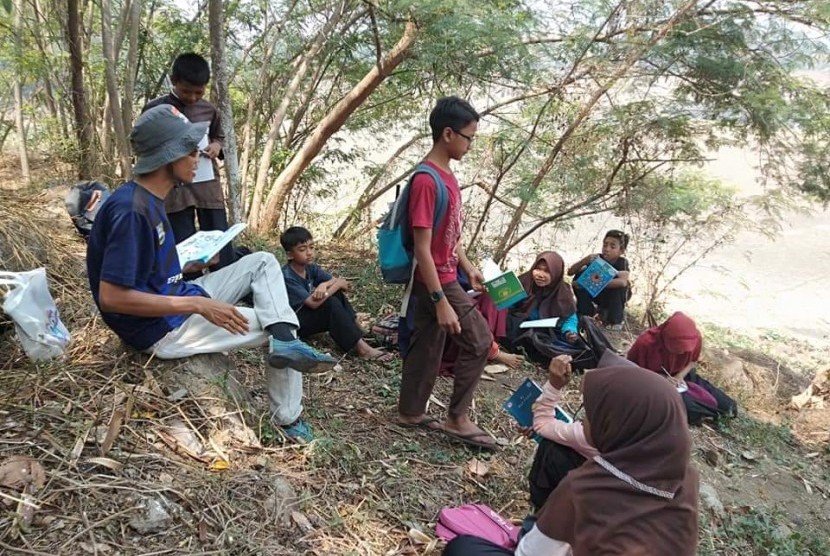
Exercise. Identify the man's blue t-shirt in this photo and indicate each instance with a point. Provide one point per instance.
(300, 288)
(132, 245)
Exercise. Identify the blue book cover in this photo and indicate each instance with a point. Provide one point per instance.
(596, 276)
(520, 404)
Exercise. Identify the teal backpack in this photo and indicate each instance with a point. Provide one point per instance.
(395, 243)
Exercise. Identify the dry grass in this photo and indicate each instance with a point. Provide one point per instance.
(98, 423)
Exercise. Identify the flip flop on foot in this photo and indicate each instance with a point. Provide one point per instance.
(426, 423)
(470, 439)
(367, 352)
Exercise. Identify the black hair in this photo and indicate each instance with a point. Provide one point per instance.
(294, 236)
(619, 235)
(451, 112)
(192, 68)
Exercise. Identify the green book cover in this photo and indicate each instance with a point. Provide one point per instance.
(505, 290)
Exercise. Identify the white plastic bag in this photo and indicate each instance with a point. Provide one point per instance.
(35, 315)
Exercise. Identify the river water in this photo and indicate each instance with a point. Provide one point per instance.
(753, 285)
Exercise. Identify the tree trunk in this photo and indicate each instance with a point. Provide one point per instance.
(5, 127)
(133, 24)
(251, 122)
(105, 134)
(274, 129)
(122, 150)
(18, 95)
(83, 125)
(304, 103)
(142, 47)
(332, 122)
(505, 167)
(587, 107)
(279, 115)
(248, 144)
(223, 100)
(46, 53)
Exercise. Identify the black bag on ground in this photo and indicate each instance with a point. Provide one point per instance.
(697, 412)
(543, 344)
(83, 201)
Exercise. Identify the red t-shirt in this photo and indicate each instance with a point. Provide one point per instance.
(446, 236)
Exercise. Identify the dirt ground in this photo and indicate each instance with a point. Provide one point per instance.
(112, 440)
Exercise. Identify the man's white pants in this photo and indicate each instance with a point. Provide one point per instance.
(260, 274)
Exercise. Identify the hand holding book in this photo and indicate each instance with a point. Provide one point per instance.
(520, 404)
(203, 246)
(503, 287)
(476, 280)
(213, 149)
(199, 266)
(596, 276)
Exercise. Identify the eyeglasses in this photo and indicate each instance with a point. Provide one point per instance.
(464, 135)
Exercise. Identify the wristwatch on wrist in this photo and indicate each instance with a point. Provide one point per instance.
(436, 296)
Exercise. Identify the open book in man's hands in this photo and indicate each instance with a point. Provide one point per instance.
(201, 247)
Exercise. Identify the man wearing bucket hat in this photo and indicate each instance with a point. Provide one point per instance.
(136, 278)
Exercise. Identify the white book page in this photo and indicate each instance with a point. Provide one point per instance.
(541, 323)
(203, 246)
(204, 168)
(490, 270)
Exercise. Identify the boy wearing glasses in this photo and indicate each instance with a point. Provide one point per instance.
(442, 306)
(609, 305)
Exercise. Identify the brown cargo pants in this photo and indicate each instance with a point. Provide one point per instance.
(420, 368)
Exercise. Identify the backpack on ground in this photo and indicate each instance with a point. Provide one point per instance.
(386, 331)
(543, 344)
(705, 401)
(395, 243)
(477, 520)
(83, 201)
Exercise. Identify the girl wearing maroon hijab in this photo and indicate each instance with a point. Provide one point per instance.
(637, 497)
(673, 349)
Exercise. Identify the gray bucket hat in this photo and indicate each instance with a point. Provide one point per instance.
(162, 135)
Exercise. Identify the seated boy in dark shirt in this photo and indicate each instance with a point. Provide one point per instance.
(609, 304)
(319, 299)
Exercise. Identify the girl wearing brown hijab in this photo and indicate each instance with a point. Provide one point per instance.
(638, 496)
(548, 296)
